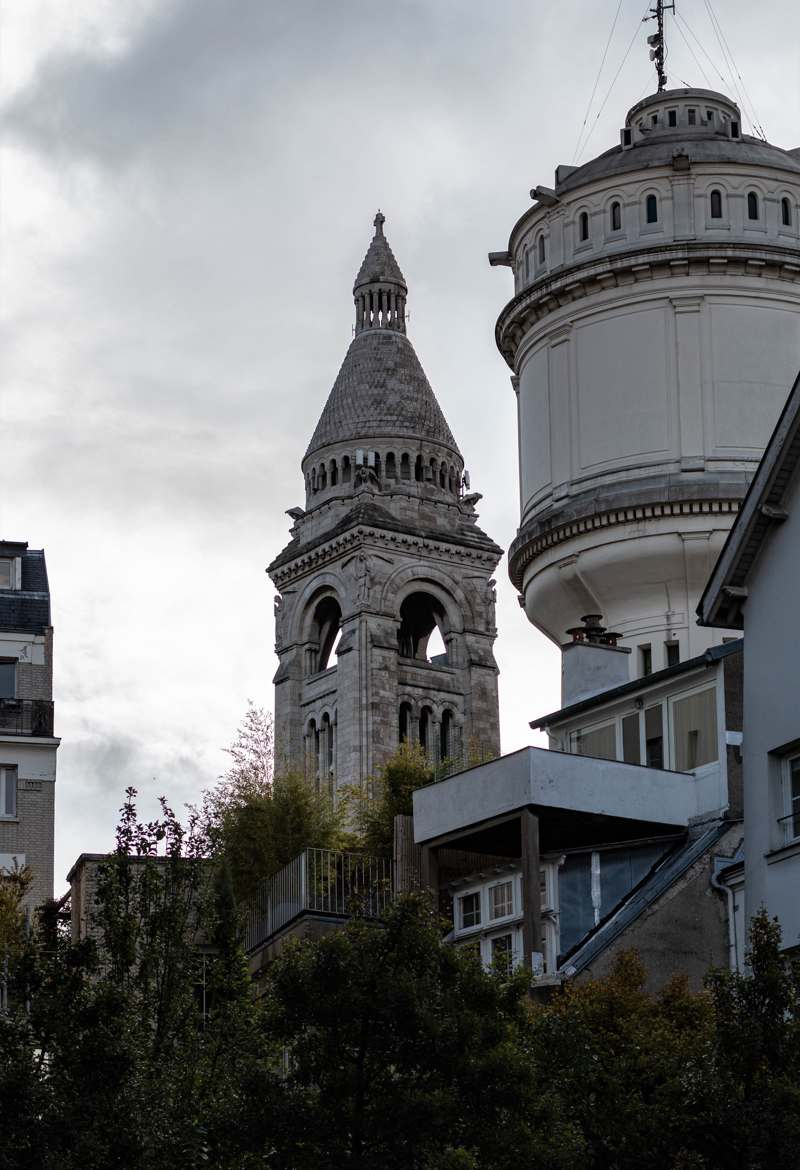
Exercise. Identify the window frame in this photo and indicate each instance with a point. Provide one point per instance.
(673, 746)
(615, 213)
(11, 572)
(753, 195)
(12, 662)
(513, 912)
(651, 201)
(8, 773)
(789, 815)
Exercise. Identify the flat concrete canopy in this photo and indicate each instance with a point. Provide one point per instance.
(552, 782)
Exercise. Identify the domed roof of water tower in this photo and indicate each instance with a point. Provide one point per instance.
(381, 390)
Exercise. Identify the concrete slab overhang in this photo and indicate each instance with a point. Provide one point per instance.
(553, 783)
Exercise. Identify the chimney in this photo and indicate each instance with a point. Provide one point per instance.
(592, 662)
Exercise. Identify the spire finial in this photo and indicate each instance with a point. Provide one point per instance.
(379, 221)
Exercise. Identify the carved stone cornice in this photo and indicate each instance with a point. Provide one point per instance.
(640, 264)
(329, 551)
(531, 544)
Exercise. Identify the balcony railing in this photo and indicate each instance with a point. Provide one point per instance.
(320, 882)
(26, 717)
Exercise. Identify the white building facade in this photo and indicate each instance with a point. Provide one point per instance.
(653, 337)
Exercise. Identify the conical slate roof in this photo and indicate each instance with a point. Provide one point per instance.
(379, 264)
(381, 391)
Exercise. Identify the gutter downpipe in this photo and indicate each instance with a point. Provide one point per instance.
(724, 888)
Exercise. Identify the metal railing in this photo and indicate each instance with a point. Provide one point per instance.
(318, 881)
(26, 717)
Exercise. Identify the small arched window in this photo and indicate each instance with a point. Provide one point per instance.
(443, 476)
(716, 204)
(404, 722)
(540, 249)
(446, 736)
(752, 205)
(334, 473)
(527, 263)
(616, 216)
(405, 466)
(418, 469)
(451, 479)
(323, 478)
(786, 212)
(425, 721)
(651, 209)
(391, 466)
(583, 226)
(345, 469)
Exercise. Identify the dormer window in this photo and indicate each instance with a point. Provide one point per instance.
(6, 573)
(752, 205)
(616, 217)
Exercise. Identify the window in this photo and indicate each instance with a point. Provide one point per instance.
(421, 616)
(786, 212)
(716, 205)
(627, 137)
(8, 680)
(654, 119)
(645, 661)
(469, 910)
(583, 226)
(616, 217)
(527, 263)
(540, 247)
(501, 900)
(672, 117)
(752, 205)
(425, 721)
(502, 952)
(651, 206)
(734, 129)
(710, 117)
(8, 792)
(6, 568)
(694, 721)
(404, 722)
(631, 751)
(654, 737)
(673, 653)
(791, 820)
(446, 736)
(600, 742)
(691, 117)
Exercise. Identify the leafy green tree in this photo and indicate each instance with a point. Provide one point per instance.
(389, 795)
(756, 1064)
(403, 1053)
(258, 821)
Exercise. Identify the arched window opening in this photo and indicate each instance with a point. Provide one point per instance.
(443, 475)
(324, 635)
(716, 204)
(346, 469)
(418, 469)
(651, 209)
(405, 466)
(451, 479)
(541, 249)
(752, 205)
(434, 470)
(391, 466)
(446, 736)
(323, 478)
(314, 479)
(425, 728)
(423, 629)
(404, 722)
(312, 751)
(616, 217)
(334, 473)
(527, 263)
(583, 226)
(786, 212)
(326, 747)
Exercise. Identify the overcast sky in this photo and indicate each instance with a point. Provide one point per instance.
(187, 189)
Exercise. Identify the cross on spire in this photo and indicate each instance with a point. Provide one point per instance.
(379, 221)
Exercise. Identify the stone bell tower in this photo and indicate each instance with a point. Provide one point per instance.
(386, 564)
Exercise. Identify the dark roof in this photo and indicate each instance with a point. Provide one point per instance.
(368, 513)
(714, 149)
(379, 264)
(662, 876)
(381, 391)
(639, 684)
(724, 595)
(26, 610)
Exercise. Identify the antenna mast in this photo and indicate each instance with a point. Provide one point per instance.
(656, 41)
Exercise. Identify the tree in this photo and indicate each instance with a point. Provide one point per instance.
(389, 795)
(403, 1053)
(258, 821)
